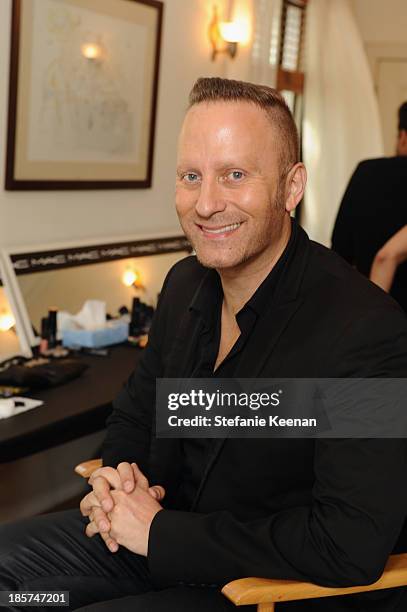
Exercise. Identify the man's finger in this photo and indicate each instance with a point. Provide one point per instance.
(157, 491)
(101, 488)
(127, 476)
(102, 522)
(109, 541)
(91, 529)
(107, 472)
(141, 480)
(88, 503)
(102, 480)
(111, 544)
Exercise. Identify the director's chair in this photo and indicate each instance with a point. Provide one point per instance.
(266, 593)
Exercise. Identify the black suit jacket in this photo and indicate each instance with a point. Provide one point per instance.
(373, 208)
(327, 511)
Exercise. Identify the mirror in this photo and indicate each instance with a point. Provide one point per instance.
(12, 338)
(66, 278)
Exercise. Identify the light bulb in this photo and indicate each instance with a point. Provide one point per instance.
(129, 277)
(233, 31)
(6, 321)
(91, 51)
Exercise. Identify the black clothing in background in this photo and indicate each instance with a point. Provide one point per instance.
(372, 210)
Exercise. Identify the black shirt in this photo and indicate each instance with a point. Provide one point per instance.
(207, 305)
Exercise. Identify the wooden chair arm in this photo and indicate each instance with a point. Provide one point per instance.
(86, 468)
(266, 592)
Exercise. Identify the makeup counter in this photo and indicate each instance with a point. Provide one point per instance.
(40, 447)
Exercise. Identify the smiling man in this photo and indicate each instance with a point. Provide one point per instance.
(170, 521)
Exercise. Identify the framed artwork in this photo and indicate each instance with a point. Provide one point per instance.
(83, 93)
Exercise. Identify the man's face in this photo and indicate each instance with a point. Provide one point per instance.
(229, 199)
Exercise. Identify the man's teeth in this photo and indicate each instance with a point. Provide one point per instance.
(222, 230)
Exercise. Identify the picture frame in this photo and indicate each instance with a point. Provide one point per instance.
(83, 94)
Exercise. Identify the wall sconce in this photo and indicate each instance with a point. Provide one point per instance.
(224, 36)
(6, 321)
(131, 278)
(91, 51)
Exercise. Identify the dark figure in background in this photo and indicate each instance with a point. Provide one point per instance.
(374, 208)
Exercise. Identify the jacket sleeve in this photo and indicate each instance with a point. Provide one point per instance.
(345, 535)
(129, 426)
(342, 238)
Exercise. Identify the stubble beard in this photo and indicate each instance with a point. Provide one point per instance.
(255, 245)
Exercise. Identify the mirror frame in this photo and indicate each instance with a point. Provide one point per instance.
(6, 279)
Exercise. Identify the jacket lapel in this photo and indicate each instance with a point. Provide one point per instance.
(165, 453)
(264, 338)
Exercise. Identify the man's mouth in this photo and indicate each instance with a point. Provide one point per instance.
(224, 229)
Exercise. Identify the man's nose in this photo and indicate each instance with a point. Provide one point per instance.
(210, 199)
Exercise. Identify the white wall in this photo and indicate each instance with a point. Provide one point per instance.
(383, 27)
(381, 21)
(44, 217)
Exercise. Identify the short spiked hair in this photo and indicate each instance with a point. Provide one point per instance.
(215, 89)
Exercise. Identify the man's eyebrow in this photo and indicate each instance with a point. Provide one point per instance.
(184, 168)
(221, 166)
(247, 166)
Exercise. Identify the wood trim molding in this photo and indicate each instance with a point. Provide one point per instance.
(290, 80)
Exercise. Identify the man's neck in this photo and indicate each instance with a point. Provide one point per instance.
(241, 283)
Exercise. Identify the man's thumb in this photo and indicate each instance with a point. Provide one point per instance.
(157, 491)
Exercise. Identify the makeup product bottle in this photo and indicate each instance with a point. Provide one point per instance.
(44, 336)
(134, 325)
(52, 328)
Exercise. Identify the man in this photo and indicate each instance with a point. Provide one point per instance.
(171, 521)
(373, 209)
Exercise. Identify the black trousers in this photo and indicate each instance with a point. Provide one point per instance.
(52, 552)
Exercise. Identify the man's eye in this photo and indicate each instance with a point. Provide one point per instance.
(236, 175)
(190, 177)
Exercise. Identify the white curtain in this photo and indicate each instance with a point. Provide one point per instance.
(341, 115)
(266, 38)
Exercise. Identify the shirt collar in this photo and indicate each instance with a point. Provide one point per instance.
(263, 295)
(209, 295)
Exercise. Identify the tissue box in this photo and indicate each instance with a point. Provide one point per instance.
(112, 333)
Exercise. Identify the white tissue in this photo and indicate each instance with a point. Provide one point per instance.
(91, 316)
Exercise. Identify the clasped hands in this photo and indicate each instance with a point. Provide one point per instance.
(121, 507)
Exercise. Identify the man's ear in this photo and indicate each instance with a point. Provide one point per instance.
(295, 186)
